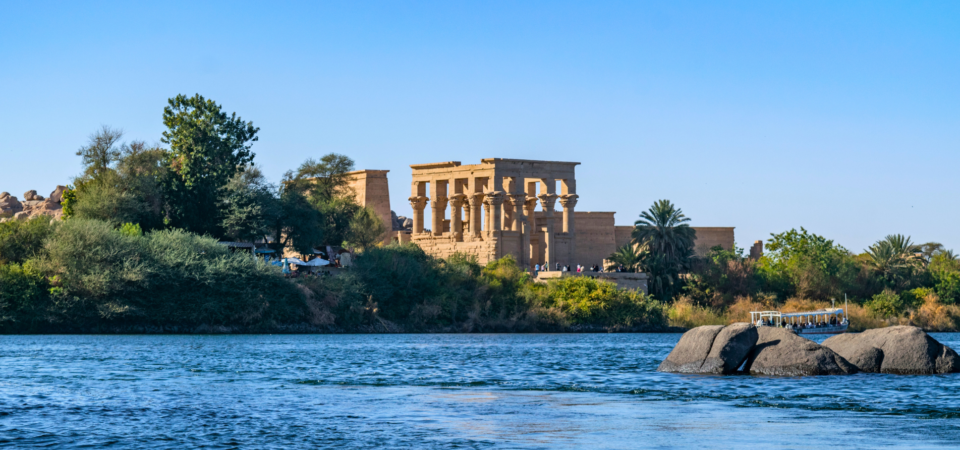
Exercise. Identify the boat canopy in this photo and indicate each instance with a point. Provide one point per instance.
(813, 313)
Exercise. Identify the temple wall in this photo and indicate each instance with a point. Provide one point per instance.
(595, 237)
(442, 247)
(707, 237)
(371, 190)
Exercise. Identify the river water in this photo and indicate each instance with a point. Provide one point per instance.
(441, 391)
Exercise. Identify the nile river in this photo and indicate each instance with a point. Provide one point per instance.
(440, 391)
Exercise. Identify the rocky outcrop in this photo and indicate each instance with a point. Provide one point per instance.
(57, 195)
(897, 350)
(780, 352)
(712, 349)
(33, 205)
(9, 205)
(401, 223)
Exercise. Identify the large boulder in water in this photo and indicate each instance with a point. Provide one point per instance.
(730, 348)
(712, 349)
(780, 352)
(897, 350)
(694, 346)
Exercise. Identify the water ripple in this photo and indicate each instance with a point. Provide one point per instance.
(438, 391)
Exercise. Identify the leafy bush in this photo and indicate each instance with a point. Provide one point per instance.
(587, 300)
(104, 276)
(23, 239)
(886, 303)
(401, 283)
(21, 289)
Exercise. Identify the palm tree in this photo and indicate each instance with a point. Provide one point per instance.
(629, 255)
(894, 257)
(664, 231)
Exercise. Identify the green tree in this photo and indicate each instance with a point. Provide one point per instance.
(663, 229)
(101, 153)
(250, 207)
(119, 183)
(324, 180)
(945, 271)
(324, 186)
(895, 259)
(718, 278)
(299, 224)
(886, 304)
(366, 229)
(629, 255)
(21, 240)
(805, 264)
(207, 148)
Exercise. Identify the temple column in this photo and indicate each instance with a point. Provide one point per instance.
(547, 202)
(519, 223)
(418, 203)
(568, 202)
(476, 203)
(438, 209)
(456, 226)
(516, 202)
(530, 205)
(495, 200)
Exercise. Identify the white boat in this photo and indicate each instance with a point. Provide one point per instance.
(822, 321)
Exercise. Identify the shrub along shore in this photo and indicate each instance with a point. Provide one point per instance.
(85, 276)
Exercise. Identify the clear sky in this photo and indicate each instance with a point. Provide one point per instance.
(841, 117)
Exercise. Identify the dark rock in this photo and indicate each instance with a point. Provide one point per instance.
(780, 352)
(856, 351)
(730, 349)
(694, 347)
(900, 349)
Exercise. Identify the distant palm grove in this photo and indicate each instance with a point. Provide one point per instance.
(138, 251)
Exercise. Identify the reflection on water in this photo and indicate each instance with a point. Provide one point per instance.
(440, 391)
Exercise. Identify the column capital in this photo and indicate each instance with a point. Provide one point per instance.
(456, 200)
(495, 198)
(547, 201)
(440, 202)
(516, 199)
(569, 200)
(418, 202)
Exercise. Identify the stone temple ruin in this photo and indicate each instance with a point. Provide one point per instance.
(522, 208)
(492, 210)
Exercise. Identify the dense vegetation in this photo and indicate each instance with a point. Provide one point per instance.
(138, 251)
(892, 282)
(85, 275)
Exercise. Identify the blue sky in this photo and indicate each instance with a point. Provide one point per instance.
(841, 117)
